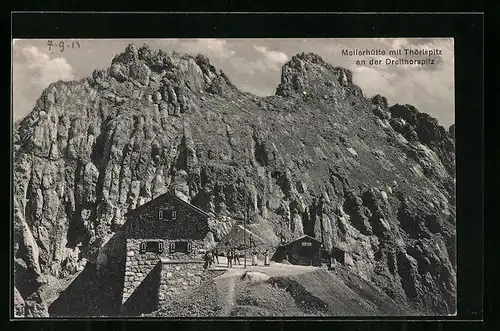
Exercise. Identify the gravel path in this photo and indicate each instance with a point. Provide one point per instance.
(227, 286)
(274, 269)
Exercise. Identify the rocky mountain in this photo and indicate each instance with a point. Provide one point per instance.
(93, 149)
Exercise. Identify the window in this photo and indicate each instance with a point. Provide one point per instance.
(151, 246)
(181, 247)
(167, 215)
(306, 243)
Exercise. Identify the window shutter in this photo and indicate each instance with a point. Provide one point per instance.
(160, 247)
(188, 249)
(174, 214)
(143, 247)
(172, 247)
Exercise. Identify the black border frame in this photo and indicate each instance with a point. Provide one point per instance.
(466, 29)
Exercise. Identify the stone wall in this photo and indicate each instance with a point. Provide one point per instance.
(178, 276)
(144, 295)
(139, 265)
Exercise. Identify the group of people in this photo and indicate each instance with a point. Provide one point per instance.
(233, 257)
(212, 257)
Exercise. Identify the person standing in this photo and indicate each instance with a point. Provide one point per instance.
(207, 262)
(205, 265)
(216, 256)
(254, 258)
(266, 258)
(229, 258)
(209, 258)
(236, 255)
(332, 262)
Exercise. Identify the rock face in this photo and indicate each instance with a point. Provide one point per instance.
(93, 149)
(19, 304)
(35, 306)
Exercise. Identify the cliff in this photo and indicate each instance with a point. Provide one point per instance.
(93, 149)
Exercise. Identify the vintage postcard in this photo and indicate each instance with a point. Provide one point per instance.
(233, 177)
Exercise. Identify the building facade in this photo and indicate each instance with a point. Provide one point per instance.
(304, 250)
(166, 240)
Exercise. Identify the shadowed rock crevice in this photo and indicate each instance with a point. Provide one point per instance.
(260, 152)
(182, 158)
(308, 223)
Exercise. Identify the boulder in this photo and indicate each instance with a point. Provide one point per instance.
(140, 72)
(157, 97)
(380, 113)
(254, 277)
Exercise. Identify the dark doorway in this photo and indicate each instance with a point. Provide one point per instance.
(306, 253)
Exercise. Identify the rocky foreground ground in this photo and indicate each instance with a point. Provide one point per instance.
(284, 290)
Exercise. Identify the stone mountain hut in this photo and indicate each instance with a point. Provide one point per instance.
(165, 242)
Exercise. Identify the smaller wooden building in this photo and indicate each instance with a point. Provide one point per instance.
(304, 250)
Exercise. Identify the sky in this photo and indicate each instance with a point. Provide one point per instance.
(253, 65)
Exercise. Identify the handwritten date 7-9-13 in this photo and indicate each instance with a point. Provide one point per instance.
(62, 45)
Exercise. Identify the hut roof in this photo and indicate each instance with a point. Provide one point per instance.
(301, 238)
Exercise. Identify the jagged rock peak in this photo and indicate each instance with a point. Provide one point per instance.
(143, 65)
(307, 71)
(415, 125)
(411, 115)
(380, 100)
